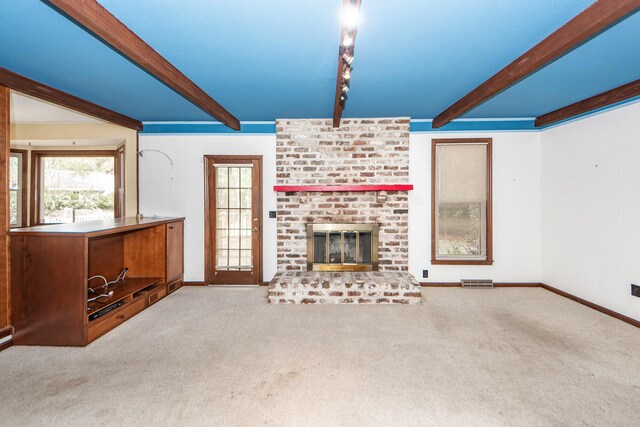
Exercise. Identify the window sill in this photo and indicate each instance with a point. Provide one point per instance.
(460, 262)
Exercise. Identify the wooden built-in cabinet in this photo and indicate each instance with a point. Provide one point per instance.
(175, 255)
(50, 266)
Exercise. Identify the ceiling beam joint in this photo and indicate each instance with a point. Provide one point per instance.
(47, 93)
(604, 99)
(590, 22)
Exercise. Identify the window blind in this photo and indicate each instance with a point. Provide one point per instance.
(462, 173)
(461, 197)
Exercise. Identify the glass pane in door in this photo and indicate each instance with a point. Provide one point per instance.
(335, 248)
(350, 247)
(364, 256)
(234, 222)
(320, 248)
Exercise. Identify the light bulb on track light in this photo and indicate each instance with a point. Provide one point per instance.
(350, 16)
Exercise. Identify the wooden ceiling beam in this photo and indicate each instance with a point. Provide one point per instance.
(591, 21)
(604, 99)
(338, 105)
(47, 93)
(99, 21)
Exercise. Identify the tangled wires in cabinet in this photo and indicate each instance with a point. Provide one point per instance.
(104, 288)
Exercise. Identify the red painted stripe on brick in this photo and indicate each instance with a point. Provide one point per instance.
(380, 187)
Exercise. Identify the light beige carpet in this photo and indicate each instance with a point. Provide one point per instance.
(211, 356)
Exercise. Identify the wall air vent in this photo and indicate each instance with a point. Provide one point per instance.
(476, 283)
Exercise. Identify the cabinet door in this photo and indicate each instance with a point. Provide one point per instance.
(175, 249)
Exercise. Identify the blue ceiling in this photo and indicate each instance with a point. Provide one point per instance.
(268, 59)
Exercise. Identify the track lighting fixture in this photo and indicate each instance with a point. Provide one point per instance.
(350, 16)
(350, 22)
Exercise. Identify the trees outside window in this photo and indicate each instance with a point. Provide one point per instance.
(74, 186)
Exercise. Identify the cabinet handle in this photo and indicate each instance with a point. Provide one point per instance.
(121, 316)
(171, 227)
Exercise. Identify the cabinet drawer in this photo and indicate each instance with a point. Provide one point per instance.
(104, 324)
(173, 286)
(156, 295)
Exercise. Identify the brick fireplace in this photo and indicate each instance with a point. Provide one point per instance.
(360, 152)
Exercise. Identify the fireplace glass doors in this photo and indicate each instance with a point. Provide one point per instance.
(342, 247)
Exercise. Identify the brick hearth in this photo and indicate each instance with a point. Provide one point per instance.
(376, 287)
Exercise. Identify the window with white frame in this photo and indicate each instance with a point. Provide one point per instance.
(16, 186)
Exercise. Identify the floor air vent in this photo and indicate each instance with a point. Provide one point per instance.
(477, 283)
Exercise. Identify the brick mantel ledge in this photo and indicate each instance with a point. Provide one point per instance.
(326, 188)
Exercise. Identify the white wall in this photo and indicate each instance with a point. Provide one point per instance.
(516, 193)
(566, 204)
(187, 152)
(591, 208)
(516, 209)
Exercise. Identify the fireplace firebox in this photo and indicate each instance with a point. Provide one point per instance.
(342, 247)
